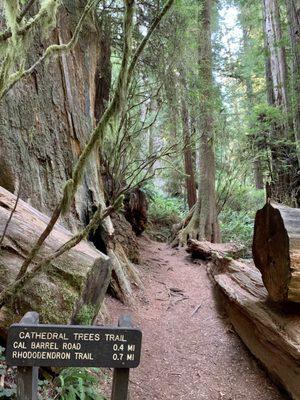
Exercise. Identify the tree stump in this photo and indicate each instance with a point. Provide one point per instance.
(276, 251)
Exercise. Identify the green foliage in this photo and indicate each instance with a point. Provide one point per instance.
(78, 384)
(237, 216)
(2, 358)
(163, 213)
(8, 391)
(166, 210)
(264, 116)
(86, 315)
(71, 384)
(237, 226)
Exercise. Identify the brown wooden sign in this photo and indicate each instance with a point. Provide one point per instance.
(73, 346)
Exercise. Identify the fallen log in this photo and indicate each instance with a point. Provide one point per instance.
(276, 251)
(207, 250)
(71, 288)
(271, 332)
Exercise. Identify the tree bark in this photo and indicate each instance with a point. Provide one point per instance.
(172, 93)
(269, 331)
(209, 251)
(257, 162)
(208, 221)
(188, 157)
(47, 119)
(276, 251)
(204, 222)
(293, 12)
(282, 152)
(104, 67)
(277, 54)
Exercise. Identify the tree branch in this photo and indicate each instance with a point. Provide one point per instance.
(144, 42)
(11, 215)
(29, 25)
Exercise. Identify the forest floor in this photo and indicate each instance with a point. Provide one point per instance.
(190, 350)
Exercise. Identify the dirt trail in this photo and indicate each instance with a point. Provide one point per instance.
(190, 351)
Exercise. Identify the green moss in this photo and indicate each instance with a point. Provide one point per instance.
(69, 276)
(85, 315)
(5, 276)
(12, 9)
(63, 301)
(54, 301)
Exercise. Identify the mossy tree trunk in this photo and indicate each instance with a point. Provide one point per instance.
(47, 118)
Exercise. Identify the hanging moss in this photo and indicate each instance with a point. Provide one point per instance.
(13, 50)
(49, 8)
(12, 10)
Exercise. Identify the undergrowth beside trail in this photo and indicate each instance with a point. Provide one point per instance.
(163, 213)
(236, 214)
(69, 384)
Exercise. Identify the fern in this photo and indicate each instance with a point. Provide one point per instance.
(78, 384)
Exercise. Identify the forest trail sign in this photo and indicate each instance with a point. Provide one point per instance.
(31, 345)
(73, 346)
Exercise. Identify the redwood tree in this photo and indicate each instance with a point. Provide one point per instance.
(283, 150)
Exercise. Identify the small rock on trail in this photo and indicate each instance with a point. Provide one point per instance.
(190, 351)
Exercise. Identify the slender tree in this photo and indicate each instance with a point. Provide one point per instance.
(186, 132)
(204, 222)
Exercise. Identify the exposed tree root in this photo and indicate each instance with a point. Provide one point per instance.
(120, 283)
(177, 228)
(128, 266)
(189, 232)
(124, 274)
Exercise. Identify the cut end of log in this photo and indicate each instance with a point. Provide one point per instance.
(276, 251)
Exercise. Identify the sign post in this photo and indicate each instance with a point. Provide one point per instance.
(121, 376)
(31, 345)
(27, 377)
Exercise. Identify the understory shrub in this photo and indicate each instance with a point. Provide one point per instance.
(238, 214)
(7, 378)
(70, 384)
(163, 213)
(78, 384)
